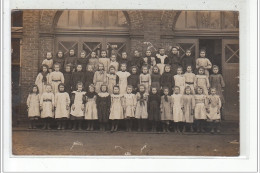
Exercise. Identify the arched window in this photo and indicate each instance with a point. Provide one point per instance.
(195, 20)
(92, 19)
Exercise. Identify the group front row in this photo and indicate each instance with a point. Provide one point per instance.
(184, 110)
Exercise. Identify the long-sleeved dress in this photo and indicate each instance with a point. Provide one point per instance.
(100, 78)
(179, 80)
(189, 105)
(204, 62)
(189, 81)
(133, 80)
(167, 81)
(88, 78)
(214, 105)
(177, 104)
(141, 106)
(116, 110)
(94, 63)
(67, 81)
(154, 101)
(165, 107)
(72, 61)
(62, 102)
(188, 61)
(122, 76)
(41, 83)
(76, 77)
(78, 100)
(111, 82)
(33, 104)
(48, 62)
(47, 103)
(105, 62)
(55, 78)
(175, 62)
(161, 60)
(217, 81)
(156, 81)
(145, 79)
(83, 62)
(135, 61)
(200, 107)
(91, 106)
(129, 105)
(203, 82)
(103, 106)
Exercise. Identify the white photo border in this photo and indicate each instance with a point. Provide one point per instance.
(246, 162)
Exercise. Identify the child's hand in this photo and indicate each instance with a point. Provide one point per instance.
(73, 107)
(82, 107)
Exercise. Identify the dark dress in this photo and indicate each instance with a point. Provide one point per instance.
(136, 61)
(154, 101)
(124, 61)
(83, 62)
(188, 60)
(217, 81)
(75, 78)
(88, 78)
(148, 63)
(67, 81)
(175, 62)
(133, 80)
(103, 107)
(156, 81)
(167, 81)
(72, 61)
(59, 61)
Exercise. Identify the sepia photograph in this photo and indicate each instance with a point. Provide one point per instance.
(125, 82)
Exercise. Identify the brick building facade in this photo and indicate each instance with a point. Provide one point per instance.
(45, 30)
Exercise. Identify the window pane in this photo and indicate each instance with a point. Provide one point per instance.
(191, 19)
(181, 21)
(65, 46)
(92, 46)
(232, 53)
(87, 18)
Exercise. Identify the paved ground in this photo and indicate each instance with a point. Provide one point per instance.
(53, 142)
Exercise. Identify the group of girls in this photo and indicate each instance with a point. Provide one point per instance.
(162, 89)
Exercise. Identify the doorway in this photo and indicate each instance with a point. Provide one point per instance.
(213, 49)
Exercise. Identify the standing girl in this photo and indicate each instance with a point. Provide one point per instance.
(116, 110)
(55, 78)
(62, 105)
(33, 106)
(190, 79)
(129, 105)
(48, 61)
(188, 60)
(88, 77)
(122, 78)
(216, 81)
(167, 78)
(104, 60)
(111, 79)
(161, 60)
(124, 60)
(60, 60)
(166, 109)
(42, 79)
(91, 107)
(82, 60)
(145, 79)
(100, 77)
(67, 79)
(177, 109)
(179, 80)
(93, 61)
(77, 76)
(133, 79)
(189, 106)
(213, 110)
(174, 59)
(200, 109)
(156, 78)
(47, 107)
(202, 80)
(103, 107)
(113, 62)
(154, 101)
(77, 108)
(204, 62)
(71, 59)
(141, 108)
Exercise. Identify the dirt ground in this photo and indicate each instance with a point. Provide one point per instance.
(53, 142)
